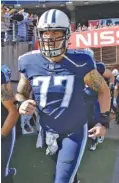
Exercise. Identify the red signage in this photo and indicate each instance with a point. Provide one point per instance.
(93, 23)
(97, 38)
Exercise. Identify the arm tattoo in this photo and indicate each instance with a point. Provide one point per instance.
(95, 81)
(24, 89)
(6, 94)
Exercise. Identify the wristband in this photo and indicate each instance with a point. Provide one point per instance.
(105, 119)
(18, 104)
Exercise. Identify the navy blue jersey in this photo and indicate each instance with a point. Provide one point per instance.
(58, 88)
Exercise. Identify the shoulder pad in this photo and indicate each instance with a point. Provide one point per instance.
(80, 51)
(29, 53)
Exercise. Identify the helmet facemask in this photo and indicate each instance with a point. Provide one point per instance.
(51, 46)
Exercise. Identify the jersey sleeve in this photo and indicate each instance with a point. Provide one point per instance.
(82, 62)
(88, 64)
(5, 74)
(91, 65)
(22, 65)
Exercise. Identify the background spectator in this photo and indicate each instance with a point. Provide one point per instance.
(17, 25)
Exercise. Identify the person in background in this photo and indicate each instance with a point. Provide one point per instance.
(116, 99)
(9, 117)
(11, 33)
(30, 28)
(4, 26)
(109, 78)
(115, 73)
(22, 34)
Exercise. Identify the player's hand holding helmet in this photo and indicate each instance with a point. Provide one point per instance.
(53, 33)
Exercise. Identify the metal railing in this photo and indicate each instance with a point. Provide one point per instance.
(14, 31)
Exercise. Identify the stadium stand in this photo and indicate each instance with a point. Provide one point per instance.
(16, 25)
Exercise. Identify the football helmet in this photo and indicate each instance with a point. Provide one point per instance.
(115, 72)
(53, 20)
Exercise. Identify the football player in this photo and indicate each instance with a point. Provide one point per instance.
(57, 78)
(115, 73)
(8, 119)
(109, 78)
(116, 99)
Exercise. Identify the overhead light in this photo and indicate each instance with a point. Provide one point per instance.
(44, 5)
(37, 6)
(70, 5)
(86, 2)
(17, 6)
(62, 5)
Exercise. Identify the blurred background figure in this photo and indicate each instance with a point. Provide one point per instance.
(9, 118)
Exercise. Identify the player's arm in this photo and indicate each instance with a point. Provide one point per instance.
(108, 74)
(23, 89)
(95, 81)
(25, 104)
(7, 99)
